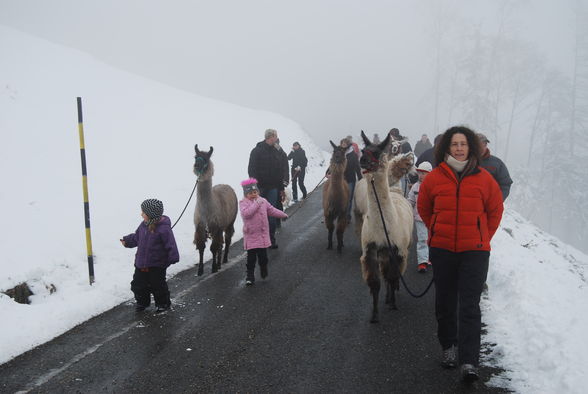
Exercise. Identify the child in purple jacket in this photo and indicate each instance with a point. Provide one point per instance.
(256, 237)
(156, 250)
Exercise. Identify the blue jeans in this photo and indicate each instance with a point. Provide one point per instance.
(271, 195)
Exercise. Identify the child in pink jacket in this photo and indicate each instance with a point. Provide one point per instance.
(256, 237)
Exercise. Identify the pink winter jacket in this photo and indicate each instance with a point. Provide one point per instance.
(255, 223)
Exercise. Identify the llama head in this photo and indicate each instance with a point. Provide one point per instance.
(338, 157)
(202, 161)
(374, 156)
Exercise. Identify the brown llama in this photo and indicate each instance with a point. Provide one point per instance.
(377, 257)
(215, 214)
(336, 197)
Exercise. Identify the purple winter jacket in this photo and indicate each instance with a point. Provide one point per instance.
(255, 224)
(154, 249)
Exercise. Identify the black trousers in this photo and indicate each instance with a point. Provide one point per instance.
(298, 176)
(147, 281)
(459, 281)
(254, 255)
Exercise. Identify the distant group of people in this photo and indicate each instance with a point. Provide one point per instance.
(457, 201)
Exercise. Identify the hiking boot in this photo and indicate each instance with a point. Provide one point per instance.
(263, 269)
(449, 357)
(422, 267)
(249, 282)
(162, 308)
(469, 373)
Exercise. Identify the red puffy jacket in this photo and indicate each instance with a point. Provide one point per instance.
(460, 215)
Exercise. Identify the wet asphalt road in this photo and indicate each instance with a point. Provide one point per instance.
(305, 329)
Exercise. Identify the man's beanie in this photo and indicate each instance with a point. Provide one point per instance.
(482, 137)
(153, 208)
(249, 185)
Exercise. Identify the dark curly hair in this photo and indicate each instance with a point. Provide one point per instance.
(474, 152)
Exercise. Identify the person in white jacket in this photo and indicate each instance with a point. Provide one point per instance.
(422, 234)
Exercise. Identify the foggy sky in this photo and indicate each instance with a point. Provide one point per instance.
(334, 66)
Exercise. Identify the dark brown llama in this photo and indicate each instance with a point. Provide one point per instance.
(336, 196)
(215, 214)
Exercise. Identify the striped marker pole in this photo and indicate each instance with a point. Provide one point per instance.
(85, 188)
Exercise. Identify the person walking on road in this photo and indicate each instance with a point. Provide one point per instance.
(270, 169)
(256, 237)
(461, 205)
(421, 230)
(352, 172)
(422, 145)
(495, 167)
(156, 250)
(299, 163)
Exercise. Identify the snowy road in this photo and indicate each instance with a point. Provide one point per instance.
(304, 329)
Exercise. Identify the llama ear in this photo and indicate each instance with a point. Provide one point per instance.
(333, 145)
(196, 148)
(210, 151)
(366, 141)
(384, 143)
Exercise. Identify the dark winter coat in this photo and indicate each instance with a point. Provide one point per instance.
(352, 170)
(498, 170)
(298, 158)
(428, 155)
(421, 146)
(154, 249)
(268, 166)
(461, 215)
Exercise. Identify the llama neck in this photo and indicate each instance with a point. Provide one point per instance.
(380, 179)
(205, 203)
(337, 172)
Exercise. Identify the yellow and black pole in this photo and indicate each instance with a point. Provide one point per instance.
(85, 187)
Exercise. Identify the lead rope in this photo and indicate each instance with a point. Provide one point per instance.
(186, 204)
(390, 247)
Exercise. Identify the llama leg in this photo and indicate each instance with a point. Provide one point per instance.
(369, 267)
(329, 222)
(228, 236)
(341, 224)
(216, 247)
(200, 241)
(393, 277)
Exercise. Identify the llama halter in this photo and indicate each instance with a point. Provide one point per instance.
(200, 169)
(372, 161)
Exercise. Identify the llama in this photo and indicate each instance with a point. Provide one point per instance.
(397, 212)
(399, 166)
(215, 214)
(336, 197)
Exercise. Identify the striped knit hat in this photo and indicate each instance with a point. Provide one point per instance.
(249, 185)
(153, 208)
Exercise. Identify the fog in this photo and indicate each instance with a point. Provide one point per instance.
(516, 70)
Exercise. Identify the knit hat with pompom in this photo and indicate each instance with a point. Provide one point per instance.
(249, 185)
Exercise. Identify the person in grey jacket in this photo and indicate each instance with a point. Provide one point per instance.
(495, 167)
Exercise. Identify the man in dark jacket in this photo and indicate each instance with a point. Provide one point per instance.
(268, 167)
(352, 172)
(422, 145)
(299, 163)
(495, 167)
(429, 154)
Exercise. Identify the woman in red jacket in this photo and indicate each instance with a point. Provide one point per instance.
(461, 205)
